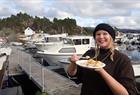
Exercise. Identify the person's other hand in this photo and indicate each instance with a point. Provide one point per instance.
(74, 58)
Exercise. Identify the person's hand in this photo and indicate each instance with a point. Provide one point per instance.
(74, 58)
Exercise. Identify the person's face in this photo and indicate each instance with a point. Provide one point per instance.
(103, 39)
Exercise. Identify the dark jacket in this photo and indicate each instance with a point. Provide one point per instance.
(120, 68)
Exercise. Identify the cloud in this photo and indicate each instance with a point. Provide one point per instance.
(125, 22)
(53, 12)
(89, 8)
(3, 13)
(122, 13)
(33, 7)
(5, 10)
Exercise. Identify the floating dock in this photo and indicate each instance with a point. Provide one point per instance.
(46, 79)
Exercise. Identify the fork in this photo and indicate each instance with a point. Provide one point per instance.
(85, 58)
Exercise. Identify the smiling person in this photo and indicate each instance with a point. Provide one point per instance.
(116, 78)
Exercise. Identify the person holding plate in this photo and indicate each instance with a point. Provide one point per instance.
(115, 78)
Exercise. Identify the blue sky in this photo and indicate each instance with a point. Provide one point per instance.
(120, 13)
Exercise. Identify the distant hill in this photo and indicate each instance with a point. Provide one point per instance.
(91, 29)
(129, 30)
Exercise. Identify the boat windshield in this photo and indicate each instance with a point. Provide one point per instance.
(68, 41)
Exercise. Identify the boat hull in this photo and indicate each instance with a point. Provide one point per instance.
(54, 59)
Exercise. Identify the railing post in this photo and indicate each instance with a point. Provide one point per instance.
(30, 68)
(42, 75)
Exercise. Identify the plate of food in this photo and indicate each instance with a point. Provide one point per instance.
(90, 63)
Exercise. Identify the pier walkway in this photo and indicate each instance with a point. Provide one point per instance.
(47, 80)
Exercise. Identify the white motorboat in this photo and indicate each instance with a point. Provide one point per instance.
(29, 41)
(66, 48)
(49, 40)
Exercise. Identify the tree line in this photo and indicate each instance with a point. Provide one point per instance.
(19, 22)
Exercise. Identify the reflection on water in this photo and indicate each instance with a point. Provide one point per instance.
(134, 54)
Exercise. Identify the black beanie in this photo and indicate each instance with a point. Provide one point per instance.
(106, 27)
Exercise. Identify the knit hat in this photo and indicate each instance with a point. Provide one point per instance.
(106, 27)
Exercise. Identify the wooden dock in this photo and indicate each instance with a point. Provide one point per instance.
(4, 56)
(47, 80)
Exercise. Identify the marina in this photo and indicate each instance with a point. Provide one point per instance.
(25, 68)
(43, 41)
(47, 80)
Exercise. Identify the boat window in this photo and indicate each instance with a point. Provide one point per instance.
(60, 38)
(77, 41)
(46, 39)
(53, 39)
(67, 41)
(67, 50)
(85, 41)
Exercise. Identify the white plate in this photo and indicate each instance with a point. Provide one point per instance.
(83, 63)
